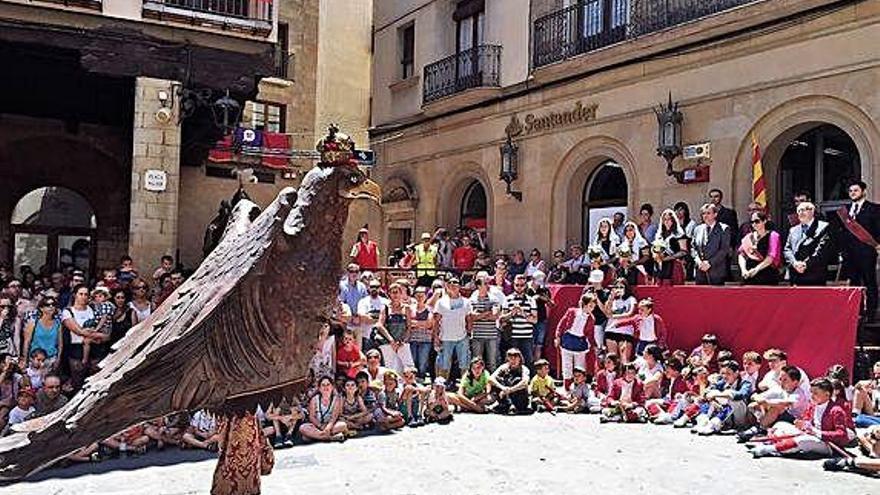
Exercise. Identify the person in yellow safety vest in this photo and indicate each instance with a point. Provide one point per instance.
(426, 258)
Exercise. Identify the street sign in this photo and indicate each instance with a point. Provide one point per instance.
(365, 157)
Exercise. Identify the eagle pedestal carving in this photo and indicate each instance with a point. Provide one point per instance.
(238, 333)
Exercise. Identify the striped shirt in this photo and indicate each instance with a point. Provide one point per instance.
(521, 327)
(485, 329)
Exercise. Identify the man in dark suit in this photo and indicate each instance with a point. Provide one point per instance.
(807, 248)
(859, 258)
(711, 248)
(726, 216)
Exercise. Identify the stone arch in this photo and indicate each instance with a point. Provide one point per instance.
(398, 188)
(103, 179)
(778, 127)
(575, 169)
(452, 190)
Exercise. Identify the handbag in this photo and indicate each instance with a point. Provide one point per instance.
(573, 343)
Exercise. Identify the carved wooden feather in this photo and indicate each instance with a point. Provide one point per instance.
(239, 332)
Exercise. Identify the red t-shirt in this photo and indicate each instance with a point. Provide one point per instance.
(348, 355)
(463, 257)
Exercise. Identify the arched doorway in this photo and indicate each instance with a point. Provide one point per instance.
(473, 206)
(605, 193)
(53, 227)
(821, 160)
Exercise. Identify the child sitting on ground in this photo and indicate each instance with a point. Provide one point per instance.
(751, 364)
(388, 403)
(131, 441)
(438, 409)
(580, 397)
(673, 390)
(786, 404)
(542, 388)
(606, 376)
(285, 420)
(354, 410)
(37, 370)
(202, 432)
(728, 402)
(695, 399)
(625, 403)
(412, 398)
(822, 423)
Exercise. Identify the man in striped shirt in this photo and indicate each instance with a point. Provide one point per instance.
(520, 312)
(486, 306)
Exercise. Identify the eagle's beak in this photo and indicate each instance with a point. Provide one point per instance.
(367, 190)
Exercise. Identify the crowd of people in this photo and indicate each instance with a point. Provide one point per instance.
(713, 249)
(56, 326)
(417, 331)
(468, 334)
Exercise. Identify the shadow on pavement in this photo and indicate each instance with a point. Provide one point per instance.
(151, 459)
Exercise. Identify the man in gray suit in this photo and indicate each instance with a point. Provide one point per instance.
(807, 248)
(711, 248)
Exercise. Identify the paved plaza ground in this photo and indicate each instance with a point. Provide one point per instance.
(539, 454)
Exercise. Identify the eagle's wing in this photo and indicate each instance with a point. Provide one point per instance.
(148, 378)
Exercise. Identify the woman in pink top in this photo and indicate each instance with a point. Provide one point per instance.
(760, 253)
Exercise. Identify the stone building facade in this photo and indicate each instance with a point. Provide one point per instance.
(801, 76)
(95, 117)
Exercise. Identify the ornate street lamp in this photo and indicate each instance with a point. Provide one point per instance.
(226, 113)
(669, 120)
(509, 166)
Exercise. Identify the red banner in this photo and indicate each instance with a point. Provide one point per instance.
(816, 326)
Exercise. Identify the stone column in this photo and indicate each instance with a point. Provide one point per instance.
(156, 147)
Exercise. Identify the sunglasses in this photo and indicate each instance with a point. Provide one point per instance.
(756, 221)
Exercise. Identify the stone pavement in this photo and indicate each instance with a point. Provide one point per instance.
(481, 455)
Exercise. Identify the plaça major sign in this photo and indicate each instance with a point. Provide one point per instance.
(552, 120)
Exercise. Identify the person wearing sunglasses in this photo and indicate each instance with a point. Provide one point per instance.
(44, 332)
(760, 253)
(140, 301)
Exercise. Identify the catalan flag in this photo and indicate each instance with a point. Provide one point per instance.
(759, 187)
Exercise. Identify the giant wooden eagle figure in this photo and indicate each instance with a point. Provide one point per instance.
(238, 333)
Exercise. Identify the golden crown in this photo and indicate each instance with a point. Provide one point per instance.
(335, 148)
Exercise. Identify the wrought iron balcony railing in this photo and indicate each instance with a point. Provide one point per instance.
(87, 4)
(477, 67)
(245, 15)
(592, 24)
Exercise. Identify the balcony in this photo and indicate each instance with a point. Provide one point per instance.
(590, 25)
(246, 16)
(478, 67)
(86, 4)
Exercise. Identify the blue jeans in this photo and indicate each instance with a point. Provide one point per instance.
(866, 420)
(486, 349)
(540, 335)
(444, 357)
(420, 352)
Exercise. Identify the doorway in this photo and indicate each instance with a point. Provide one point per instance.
(53, 228)
(605, 194)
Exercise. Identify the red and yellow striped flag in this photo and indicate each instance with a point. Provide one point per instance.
(759, 187)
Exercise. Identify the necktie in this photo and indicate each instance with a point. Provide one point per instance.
(855, 210)
(804, 228)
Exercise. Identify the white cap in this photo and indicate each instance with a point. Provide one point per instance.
(596, 277)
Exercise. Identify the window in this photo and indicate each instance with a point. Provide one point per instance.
(603, 17)
(469, 17)
(282, 54)
(265, 116)
(407, 36)
(821, 161)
